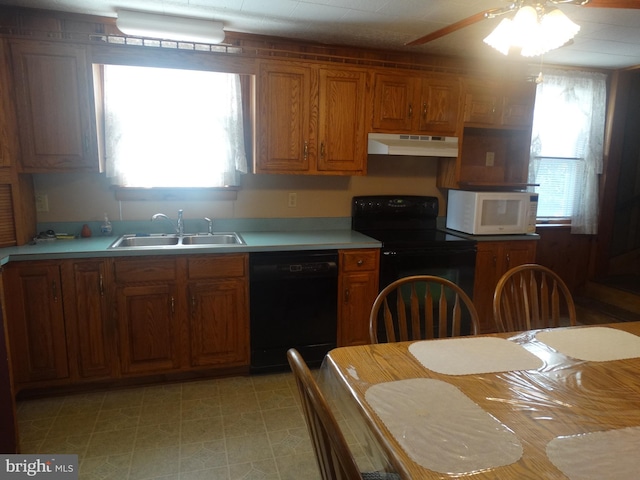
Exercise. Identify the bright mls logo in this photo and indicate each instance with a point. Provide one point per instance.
(51, 467)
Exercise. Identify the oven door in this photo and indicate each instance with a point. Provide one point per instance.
(455, 263)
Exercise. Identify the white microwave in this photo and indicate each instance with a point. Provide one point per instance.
(492, 213)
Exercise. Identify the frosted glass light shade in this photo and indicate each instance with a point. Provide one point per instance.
(168, 27)
(530, 35)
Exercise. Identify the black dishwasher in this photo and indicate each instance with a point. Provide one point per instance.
(294, 303)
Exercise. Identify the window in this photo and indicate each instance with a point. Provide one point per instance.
(173, 128)
(567, 146)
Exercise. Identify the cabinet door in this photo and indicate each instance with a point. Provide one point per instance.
(342, 107)
(149, 336)
(393, 102)
(88, 318)
(219, 323)
(358, 288)
(285, 141)
(35, 321)
(481, 105)
(439, 105)
(55, 109)
(518, 104)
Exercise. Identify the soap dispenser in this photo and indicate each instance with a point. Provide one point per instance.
(106, 228)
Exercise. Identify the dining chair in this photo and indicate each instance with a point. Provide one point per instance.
(332, 452)
(532, 296)
(421, 307)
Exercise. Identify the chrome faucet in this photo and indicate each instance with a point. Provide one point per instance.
(178, 227)
(210, 225)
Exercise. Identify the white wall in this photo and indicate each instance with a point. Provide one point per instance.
(84, 197)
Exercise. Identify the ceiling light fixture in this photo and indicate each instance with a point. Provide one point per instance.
(168, 27)
(532, 31)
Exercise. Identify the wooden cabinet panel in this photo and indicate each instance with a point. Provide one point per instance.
(56, 118)
(414, 103)
(493, 259)
(149, 337)
(358, 288)
(495, 103)
(311, 120)
(342, 107)
(219, 325)
(285, 139)
(89, 320)
(35, 321)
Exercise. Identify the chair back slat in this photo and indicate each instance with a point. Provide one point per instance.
(532, 296)
(436, 307)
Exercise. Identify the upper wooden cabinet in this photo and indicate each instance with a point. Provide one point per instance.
(416, 104)
(55, 108)
(311, 119)
(497, 104)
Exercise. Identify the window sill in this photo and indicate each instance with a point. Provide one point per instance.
(169, 194)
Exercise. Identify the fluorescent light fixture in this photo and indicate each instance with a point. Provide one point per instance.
(169, 27)
(532, 31)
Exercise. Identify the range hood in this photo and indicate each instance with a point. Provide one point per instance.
(415, 145)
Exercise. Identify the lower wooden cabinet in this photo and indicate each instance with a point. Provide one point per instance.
(492, 261)
(35, 322)
(218, 297)
(357, 290)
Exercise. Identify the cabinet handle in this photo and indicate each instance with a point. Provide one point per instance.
(410, 110)
(360, 262)
(424, 110)
(495, 260)
(306, 150)
(173, 305)
(101, 285)
(508, 260)
(322, 150)
(54, 290)
(347, 295)
(193, 301)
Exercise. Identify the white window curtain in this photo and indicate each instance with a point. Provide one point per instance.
(567, 141)
(173, 128)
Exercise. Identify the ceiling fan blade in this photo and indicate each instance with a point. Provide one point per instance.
(631, 4)
(465, 22)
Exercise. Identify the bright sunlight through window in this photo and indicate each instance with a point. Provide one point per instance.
(173, 128)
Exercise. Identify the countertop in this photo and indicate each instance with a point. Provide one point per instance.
(254, 242)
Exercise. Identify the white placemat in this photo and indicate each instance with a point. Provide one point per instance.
(473, 355)
(595, 344)
(612, 454)
(440, 428)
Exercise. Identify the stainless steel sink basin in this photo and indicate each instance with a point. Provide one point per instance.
(213, 239)
(133, 241)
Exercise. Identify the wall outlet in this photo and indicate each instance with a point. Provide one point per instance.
(293, 200)
(42, 202)
(490, 159)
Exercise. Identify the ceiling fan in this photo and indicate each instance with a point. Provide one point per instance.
(514, 6)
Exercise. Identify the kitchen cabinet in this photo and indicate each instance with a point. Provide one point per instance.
(493, 259)
(148, 309)
(414, 103)
(55, 107)
(35, 322)
(499, 104)
(90, 324)
(218, 297)
(358, 288)
(311, 119)
(496, 138)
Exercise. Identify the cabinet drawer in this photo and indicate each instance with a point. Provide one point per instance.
(359, 260)
(216, 266)
(144, 270)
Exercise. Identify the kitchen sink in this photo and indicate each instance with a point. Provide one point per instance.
(213, 239)
(135, 241)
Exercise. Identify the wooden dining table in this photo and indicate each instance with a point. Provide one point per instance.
(552, 403)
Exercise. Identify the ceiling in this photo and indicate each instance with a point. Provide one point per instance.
(608, 38)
